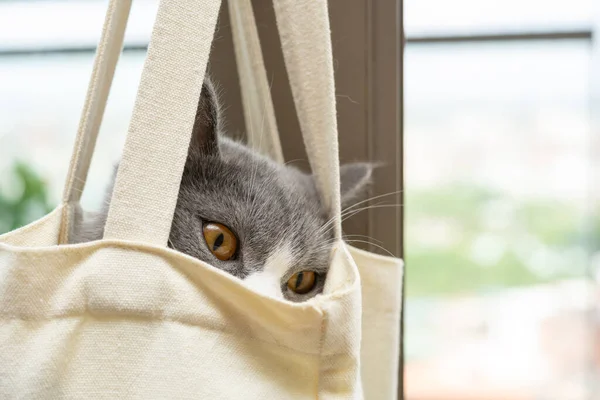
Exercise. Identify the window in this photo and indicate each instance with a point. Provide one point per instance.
(498, 230)
(44, 72)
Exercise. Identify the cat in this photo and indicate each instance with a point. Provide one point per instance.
(245, 214)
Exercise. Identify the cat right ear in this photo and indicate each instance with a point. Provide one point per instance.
(206, 126)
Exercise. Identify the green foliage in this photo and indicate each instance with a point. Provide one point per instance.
(23, 198)
(528, 241)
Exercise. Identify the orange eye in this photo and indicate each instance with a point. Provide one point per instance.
(302, 282)
(220, 240)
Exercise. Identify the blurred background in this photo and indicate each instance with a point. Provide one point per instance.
(502, 229)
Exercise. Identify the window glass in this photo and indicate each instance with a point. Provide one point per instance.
(434, 17)
(41, 102)
(498, 229)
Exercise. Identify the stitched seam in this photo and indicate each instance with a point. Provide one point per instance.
(321, 346)
(63, 234)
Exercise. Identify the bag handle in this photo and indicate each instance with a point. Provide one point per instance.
(147, 183)
(306, 42)
(259, 115)
(105, 62)
(149, 175)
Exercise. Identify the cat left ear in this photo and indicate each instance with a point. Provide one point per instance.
(354, 179)
(206, 126)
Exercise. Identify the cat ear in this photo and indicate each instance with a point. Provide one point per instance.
(355, 179)
(206, 126)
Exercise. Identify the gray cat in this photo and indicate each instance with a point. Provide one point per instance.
(245, 214)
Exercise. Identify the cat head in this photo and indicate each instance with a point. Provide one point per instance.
(251, 217)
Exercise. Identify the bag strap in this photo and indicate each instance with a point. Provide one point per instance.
(147, 183)
(306, 43)
(105, 62)
(149, 175)
(259, 115)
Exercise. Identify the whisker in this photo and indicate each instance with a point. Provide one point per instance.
(345, 96)
(354, 212)
(374, 206)
(293, 161)
(348, 209)
(372, 244)
(346, 238)
(350, 213)
(363, 236)
(172, 245)
(370, 199)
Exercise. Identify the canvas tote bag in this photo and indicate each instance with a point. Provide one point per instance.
(126, 317)
(381, 277)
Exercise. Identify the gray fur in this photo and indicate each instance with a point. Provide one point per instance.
(267, 205)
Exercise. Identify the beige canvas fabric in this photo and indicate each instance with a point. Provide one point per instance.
(256, 94)
(128, 318)
(381, 276)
